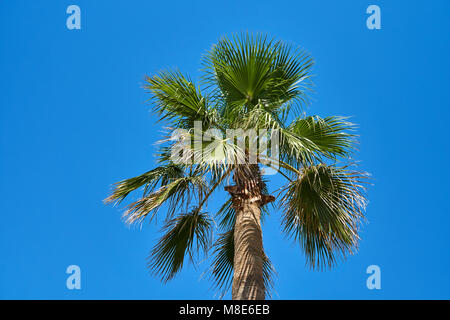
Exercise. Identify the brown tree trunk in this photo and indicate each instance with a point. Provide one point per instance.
(247, 197)
(248, 283)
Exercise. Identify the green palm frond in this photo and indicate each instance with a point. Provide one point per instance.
(209, 151)
(227, 215)
(162, 175)
(248, 70)
(328, 136)
(260, 117)
(309, 139)
(295, 148)
(222, 265)
(179, 192)
(184, 235)
(177, 99)
(219, 155)
(239, 67)
(323, 209)
(292, 69)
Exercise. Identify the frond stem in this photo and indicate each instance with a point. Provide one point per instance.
(214, 187)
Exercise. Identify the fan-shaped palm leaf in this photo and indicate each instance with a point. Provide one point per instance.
(328, 136)
(162, 175)
(177, 99)
(323, 209)
(184, 235)
(177, 193)
(248, 70)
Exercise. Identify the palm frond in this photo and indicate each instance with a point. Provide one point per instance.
(222, 265)
(177, 99)
(292, 69)
(227, 215)
(181, 191)
(161, 175)
(184, 235)
(328, 136)
(246, 70)
(323, 210)
(210, 151)
(294, 148)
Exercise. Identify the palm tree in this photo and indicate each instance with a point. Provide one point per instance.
(248, 82)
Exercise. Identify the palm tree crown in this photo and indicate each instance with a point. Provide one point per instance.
(249, 82)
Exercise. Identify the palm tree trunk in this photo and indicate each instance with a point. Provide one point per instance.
(247, 197)
(248, 283)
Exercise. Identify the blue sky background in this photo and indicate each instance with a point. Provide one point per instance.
(73, 120)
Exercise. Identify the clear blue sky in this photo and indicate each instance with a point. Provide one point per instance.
(73, 120)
